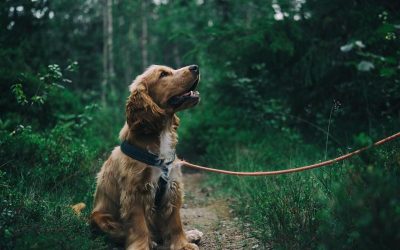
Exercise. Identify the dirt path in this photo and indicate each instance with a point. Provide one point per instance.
(213, 217)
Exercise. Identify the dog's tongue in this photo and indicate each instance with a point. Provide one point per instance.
(177, 100)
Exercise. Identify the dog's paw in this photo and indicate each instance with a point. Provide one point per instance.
(194, 236)
(153, 245)
(190, 246)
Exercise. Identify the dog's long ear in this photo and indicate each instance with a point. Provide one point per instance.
(142, 113)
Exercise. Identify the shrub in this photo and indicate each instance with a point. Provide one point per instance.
(351, 205)
(51, 146)
(364, 212)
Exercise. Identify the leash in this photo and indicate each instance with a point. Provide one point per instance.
(292, 170)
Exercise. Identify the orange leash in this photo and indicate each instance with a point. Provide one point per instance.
(292, 170)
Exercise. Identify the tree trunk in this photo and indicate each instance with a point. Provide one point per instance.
(111, 73)
(105, 54)
(127, 57)
(144, 37)
(108, 59)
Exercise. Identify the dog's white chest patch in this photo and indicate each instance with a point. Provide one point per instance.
(167, 151)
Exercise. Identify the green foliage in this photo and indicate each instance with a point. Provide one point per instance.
(364, 212)
(52, 78)
(19, 93)
(48, 163)
(41, 220)
(279, 80)
(281, 209)
(45, 173)
(36, 153)
(346, 206)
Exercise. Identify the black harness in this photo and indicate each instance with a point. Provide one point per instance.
(154, 161)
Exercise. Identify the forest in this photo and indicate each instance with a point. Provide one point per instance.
(284, 83)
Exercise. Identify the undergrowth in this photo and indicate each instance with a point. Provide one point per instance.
(51, 146)
(351, 205)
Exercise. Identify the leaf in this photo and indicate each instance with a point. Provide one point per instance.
(19, 93)
(72, 67)
(387, 72)
(38, 99)
(365, 66)
(244, 80)
(58, 85)
(359, 44)
(346, 48)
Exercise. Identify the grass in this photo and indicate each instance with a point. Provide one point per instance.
(328, 208)
(48, 172)
(351, 205)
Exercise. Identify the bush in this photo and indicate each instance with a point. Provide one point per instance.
(32, 219)
(353, 204)
(48, 163)
(45, 174)
(364, 212)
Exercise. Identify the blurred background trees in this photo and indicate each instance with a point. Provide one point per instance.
(299, 58)
(278, 76)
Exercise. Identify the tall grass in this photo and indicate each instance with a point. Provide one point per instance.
(335, 207)
(44, 172)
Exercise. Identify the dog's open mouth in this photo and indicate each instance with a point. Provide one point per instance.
(191, 95)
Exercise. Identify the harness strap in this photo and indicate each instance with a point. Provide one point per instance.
(162, 184)
(154, 161)
(161, 189)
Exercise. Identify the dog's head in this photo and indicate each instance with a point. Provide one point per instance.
(161, 91)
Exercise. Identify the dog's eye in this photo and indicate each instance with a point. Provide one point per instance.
(163, 74)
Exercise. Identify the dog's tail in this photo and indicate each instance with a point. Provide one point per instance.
(77, 208)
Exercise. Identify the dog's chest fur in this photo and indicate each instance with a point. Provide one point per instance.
(167, 149)
(141, 183)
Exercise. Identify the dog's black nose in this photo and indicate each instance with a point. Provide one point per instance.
(194, 68)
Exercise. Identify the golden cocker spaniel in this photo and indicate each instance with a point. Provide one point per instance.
(139, 190)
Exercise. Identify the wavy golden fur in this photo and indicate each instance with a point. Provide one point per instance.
(124, 199)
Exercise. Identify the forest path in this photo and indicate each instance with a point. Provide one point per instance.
(213, 216)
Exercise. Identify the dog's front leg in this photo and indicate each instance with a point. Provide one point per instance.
(176, 235)
(138, 236)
